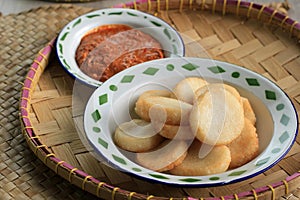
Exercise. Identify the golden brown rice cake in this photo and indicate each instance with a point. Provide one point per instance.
(165, 157)
(160, 93)
(216, 161)
(163, 109)
(136, 136)
(217, 86)
(248, 111)
(186, 88)
(244, 148)
(217, 117)
(177, 132)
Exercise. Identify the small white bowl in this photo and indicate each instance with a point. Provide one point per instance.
(112, 103)
(70, 36)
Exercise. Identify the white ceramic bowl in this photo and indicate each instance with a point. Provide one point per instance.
(70, 36)
(112, 103)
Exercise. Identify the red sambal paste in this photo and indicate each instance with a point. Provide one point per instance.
(110, 49)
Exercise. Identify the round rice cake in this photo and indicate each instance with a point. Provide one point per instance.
(186, 88)
(217, 117)
(248, 110)
(160, 93)
(244, 148)
(217, 86)
(166, 156)
(177, 132)
(163, 109)
(136, 136)
(216, 161)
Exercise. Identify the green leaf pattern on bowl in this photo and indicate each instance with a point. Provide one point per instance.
(151, 71)
(103, 143)
(115, 13)
(96, 115)
(270, 95)
(92, 16)
(216, 69)
(132, 14)
(103, 99)
(76, 23)
(252, 82)
(119, 159)
(159, 176)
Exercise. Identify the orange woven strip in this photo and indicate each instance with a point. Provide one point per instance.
(38, 62)
(27, 127)
(33, 69)
(26, 117)
(167, 5)
(47, 156)
(26, 99)
(134, 5)
(51, 43)
(158, 5)
(254, 194)
(286, 187)
(24, 131)
(26, 88)
(249, 9)
(283, 21)
(84, 182)
(181, 5)
(130, 195)
(71, 173)
(113, 194)
(273, 191)
(272, 16)
(191, 4)
(34, 137)
(149, 5)
(27, 77)
(203, 5)
(238, 7)
(22, 107)
(292, 28)
(236, 197)
(214, 6)
(29, 98)
(58, 164)
(224, 7)
(150, 197)
(260, 12)
(43, 56)
(38, 147)
(98, 188)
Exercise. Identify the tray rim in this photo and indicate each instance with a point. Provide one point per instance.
(82, 179)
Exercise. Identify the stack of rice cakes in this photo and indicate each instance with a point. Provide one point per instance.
(198, 128)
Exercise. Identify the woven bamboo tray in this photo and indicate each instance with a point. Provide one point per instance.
(242, 33)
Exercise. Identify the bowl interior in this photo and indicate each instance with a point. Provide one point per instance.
(70, 36)
(123, 109)
(113, 103)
